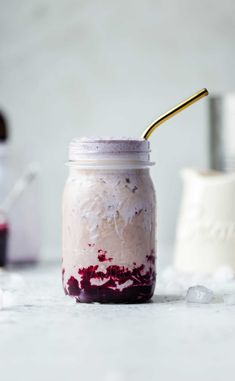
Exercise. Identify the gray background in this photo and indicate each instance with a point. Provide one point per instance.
(71, 68)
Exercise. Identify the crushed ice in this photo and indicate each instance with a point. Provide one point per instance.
(198, 287)
(199, 294)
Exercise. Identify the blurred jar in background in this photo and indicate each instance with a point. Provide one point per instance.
(4, 164)
(4, 185)
(222, 132)
(205, 236)
(25, 227)
(23, 215)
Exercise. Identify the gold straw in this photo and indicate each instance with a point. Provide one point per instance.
(163, 118)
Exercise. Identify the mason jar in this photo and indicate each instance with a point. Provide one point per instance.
(109, 222)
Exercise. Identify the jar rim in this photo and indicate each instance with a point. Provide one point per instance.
(81, 148)
(109, 164)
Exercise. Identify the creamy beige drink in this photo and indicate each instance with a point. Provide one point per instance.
(109, 222)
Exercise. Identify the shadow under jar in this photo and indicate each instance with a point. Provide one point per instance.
(109, 222)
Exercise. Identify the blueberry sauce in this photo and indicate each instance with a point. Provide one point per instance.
(151, 257)
(140, 288)
(72, 286)
(102, 256)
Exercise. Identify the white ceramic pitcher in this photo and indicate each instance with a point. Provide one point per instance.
(205, 238)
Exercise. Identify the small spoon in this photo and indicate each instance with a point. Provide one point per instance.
(175, 110)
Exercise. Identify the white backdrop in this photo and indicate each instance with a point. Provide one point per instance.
(106, 67)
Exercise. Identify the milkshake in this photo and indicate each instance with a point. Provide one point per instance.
(109, 222)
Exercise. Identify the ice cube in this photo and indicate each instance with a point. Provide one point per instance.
(223, 274)
(229, 299)
(199, 294)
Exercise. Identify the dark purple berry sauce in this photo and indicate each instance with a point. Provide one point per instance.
(102, 256)
(141, 287)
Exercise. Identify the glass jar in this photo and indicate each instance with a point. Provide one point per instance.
(109, 222)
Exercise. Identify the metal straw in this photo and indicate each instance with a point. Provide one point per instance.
(175, 110)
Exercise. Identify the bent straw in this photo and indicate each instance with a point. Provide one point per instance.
(175, 110)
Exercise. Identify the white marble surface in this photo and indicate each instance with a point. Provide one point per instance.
(46, 336)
